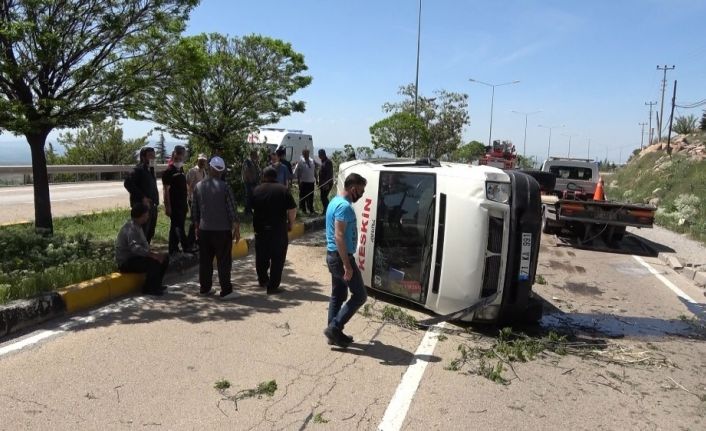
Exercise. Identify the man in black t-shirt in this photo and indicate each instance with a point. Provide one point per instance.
(274, 214)
(175, 200)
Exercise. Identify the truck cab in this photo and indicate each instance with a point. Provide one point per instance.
(446, 236)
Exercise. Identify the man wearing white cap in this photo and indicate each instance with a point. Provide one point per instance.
(216, 221)
(194, 176)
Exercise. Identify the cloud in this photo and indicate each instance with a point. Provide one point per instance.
(519, 53)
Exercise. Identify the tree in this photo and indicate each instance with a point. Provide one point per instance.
(397, 133)
(220, 88)
(444, 117)
(100, 143)
(349, 152)
(364, 153)
(685, 124)
(66, 63)
(161, 149)
(469, 152)
(524, 162)
(702, 126)
(52, 157)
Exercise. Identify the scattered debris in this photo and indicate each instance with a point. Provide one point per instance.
(90, 396)
(319, 419)
(510, 347)
(398, 317)
(264, 388)
(222, 384)
(540, 279)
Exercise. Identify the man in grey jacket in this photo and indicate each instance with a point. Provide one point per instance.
(216, 221)
(133, 254)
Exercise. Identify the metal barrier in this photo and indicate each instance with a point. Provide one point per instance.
(78, 170)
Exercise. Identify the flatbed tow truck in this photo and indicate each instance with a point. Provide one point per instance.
(575, 206)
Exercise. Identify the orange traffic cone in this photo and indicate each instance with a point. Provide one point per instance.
(599, 195)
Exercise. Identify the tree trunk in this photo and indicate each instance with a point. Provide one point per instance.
(42, 203)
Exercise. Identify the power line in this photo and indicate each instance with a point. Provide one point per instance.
(664, 68)
(693, 105)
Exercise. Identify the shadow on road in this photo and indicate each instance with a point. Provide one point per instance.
(631, 244)
(387, 354)
(182, 301)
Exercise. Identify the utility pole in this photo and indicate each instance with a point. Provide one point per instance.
(589, 149)
(651, 131)
(642, 135)
(549, 145)
(524, 142)
(671, 118)
(416, 79)
(664, 68)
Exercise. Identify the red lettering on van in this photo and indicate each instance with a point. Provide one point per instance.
(363, 230)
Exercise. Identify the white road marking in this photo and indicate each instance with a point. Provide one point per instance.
(77, 199)
(74, 322)
(396, 411)
(680, 293)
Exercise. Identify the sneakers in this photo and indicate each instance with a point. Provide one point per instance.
(208, 293)
(230, 295)
(275, 291)
(337, 337)
(347, 338)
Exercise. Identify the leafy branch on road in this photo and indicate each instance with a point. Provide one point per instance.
(389, 314)
(510, 347)
(263, 389)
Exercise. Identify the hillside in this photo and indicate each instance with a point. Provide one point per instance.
(676, 184)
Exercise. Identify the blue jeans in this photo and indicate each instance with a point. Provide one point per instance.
(339, 313)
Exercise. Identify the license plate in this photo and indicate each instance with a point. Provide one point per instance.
(525, 256)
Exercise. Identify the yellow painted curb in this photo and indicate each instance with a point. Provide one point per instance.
(86, 294)
(239, 249)
(297, 231)
(90, 293)
(125, 284)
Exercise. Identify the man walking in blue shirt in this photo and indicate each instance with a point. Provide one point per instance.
(341, 240)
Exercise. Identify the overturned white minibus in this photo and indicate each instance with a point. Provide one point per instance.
(459, 240)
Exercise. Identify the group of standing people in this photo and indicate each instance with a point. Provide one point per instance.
(215, 225)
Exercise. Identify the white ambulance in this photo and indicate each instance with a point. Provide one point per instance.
(459, 240)
(292, 141)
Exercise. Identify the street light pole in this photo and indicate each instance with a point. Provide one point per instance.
(569, 136)
(549, 146)
(492, 102)
(416, 79)
(589, 149)
(524, 142)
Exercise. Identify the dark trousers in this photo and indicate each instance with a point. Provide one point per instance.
(149, 227)
(154, 271)
(215, 243)
(325, 191)
(249, 188)
(340, 311)
(177, 233)
(306, 197)
(270, 254)
(191, 234)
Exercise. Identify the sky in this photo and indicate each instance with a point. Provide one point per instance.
(589, 66)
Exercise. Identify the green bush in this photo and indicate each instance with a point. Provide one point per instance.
(31, 264)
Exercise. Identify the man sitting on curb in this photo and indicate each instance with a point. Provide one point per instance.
(133, 255)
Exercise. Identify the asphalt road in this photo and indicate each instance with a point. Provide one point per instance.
(148, 363)
(66, 199)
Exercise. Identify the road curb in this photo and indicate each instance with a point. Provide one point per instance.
(23, 313)
(18, 315)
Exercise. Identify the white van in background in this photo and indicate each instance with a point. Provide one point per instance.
(292, 141)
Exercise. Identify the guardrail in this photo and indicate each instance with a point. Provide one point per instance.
(11, 174)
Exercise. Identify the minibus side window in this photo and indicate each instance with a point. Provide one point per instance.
(404, 233)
